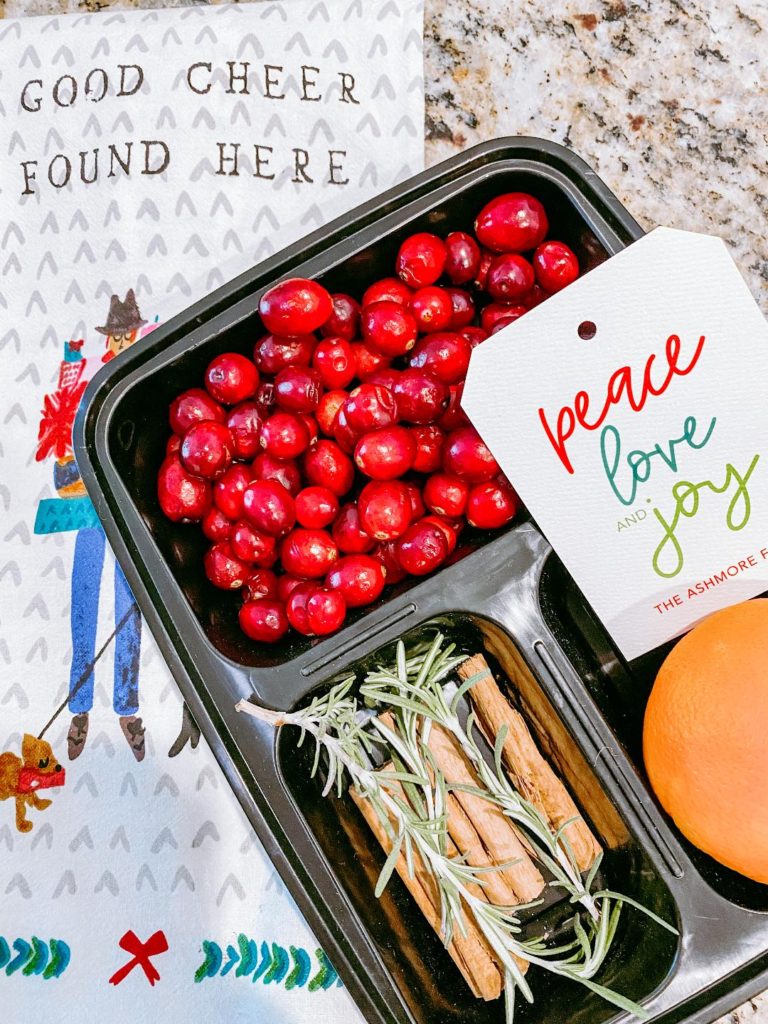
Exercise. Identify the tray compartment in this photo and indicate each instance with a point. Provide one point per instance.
(138, 429)
(429, 982)
(621, 692)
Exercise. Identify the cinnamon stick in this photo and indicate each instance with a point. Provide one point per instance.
(493, 827)
(463, 840)
(469, 951)
(480, 893)
(529, 771)
(496, 887)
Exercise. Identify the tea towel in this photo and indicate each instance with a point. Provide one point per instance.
(147, 157)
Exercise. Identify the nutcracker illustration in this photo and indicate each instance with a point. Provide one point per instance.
(72, 510)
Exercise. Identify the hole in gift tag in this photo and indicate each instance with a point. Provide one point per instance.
(586, 330)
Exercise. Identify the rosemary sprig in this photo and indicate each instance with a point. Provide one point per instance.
(419, 690)
(412, 690)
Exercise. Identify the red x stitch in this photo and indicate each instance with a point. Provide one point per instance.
(142, 951)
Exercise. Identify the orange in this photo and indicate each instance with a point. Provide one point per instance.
(705, 738)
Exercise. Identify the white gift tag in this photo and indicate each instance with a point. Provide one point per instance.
(630, 411)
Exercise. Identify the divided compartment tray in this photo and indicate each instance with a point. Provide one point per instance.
(507, 592)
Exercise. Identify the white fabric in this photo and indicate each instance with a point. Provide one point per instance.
(160, 844)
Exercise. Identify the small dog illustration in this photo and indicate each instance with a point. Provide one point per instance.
(21, 777)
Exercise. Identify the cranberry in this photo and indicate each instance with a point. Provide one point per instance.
(334, 360)
(284, 435)
(343, 321)
(298, 389)
(449, 530)
(207, 449)
(446, 355)
(270, 507)
(344, 435)
(295, 306)
(510, 277)
(496, 311)
(422, 548)
(386, 553)
(296, 606)
(316, 507)
(514, 222)
(474, 335)
(264, 620)
(223, 568)
(388, 328)
(265, 398)
(310, 422)
(173, 445)
(467, 456)
(215, 524)
(491, 504)
(388, 289)
(385, 509)
(463, 257)
(274, 352)
(360, 578)
(192, 407)
(184, 498)
(326, 611)
(348, 533)
(454, 415)
(231, 378)
(446, 494)
(421, 259)
(260, 583)
(556, 266)
(385, 454)
(418, 508)
(250, 545)
(481, 278)
(503, 322)
(429, 448)
(369, 407)
(229, 490)
(462, 309)
(284, 471)
(286, 585)
(329, 406)
(535, 296)
(420, 396)
(385, 378)
(308, 553)
(432, 309)
(326, 465)
(367, 360)
(244, 423)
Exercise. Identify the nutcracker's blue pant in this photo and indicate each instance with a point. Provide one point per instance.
(88, 565)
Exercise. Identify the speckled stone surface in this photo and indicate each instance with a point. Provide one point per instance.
(668, 102)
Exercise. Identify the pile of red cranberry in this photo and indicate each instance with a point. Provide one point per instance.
(265, 457)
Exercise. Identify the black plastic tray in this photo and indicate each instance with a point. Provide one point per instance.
(508, 594)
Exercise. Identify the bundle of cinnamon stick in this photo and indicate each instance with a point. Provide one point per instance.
(481, 834)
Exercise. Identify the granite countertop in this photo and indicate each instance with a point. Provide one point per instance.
(663, 99)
